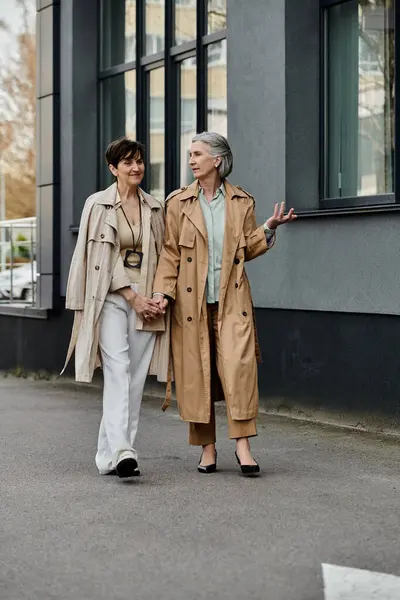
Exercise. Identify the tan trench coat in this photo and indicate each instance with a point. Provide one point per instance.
(182, 275)
(93, 274)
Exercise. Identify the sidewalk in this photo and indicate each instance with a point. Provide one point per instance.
(326, 496)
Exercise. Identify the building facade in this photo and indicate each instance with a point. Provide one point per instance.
(306, 92)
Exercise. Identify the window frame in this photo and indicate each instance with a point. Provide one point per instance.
(170, 59)
(350, 204)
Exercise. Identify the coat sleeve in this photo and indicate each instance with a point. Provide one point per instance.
(256, 240)
(76, 286)
(167, 270)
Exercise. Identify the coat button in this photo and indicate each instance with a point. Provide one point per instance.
(189, 319)
(189, 289)
(237, 261)
(102, 236)
(236, 285)
(244, 313)
(97, 267)
(189, 259)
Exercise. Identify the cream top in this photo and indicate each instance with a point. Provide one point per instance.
(126, 243)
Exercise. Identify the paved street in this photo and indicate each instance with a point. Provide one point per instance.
(327, 496)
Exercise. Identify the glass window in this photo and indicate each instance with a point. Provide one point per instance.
(216, 88)
(17, 112)
(216, 15)
(157, 133)
(155, 24)
(187, 116)
(119, 110)
(118, 44)
(360, 98)
(185, 21)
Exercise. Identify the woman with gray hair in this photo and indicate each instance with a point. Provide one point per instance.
(211, 232)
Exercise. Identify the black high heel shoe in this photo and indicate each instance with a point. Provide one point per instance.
(207, 468)
(249, 470)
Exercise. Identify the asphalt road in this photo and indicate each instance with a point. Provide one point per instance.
(326, 496)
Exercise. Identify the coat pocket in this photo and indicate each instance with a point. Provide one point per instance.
(240, 255)
(242, 241)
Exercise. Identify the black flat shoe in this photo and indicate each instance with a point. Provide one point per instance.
(127, 467)
(207, 468)
(249, 470)
(136, 473)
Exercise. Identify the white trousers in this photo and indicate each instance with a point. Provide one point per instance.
(126, 355)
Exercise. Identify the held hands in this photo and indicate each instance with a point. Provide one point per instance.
(147, 309)
(279, 217)
(161, 301)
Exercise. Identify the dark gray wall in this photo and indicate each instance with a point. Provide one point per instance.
(345, 264)
(48, 152)
(79, 117)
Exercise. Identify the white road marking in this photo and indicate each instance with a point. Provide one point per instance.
(344, 583)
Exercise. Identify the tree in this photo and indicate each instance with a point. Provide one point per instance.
(18, 116)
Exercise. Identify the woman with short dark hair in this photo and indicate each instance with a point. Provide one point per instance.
(211, 232)
(116, 322)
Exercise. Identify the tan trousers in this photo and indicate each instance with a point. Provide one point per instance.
(201, 434)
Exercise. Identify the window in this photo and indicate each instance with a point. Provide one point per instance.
(157, 132)
(160, 83)
(216, 15)
(359, 102)
(185, 21)
(155, 26)
(188, 107)
(216, 88)
(119, 32)
(118, 96)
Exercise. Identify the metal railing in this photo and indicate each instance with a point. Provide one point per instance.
(18, 261)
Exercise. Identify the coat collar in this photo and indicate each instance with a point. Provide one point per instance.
(108, 197)
(192, 191)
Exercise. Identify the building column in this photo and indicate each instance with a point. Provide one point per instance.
(48, 153)
(79, 116)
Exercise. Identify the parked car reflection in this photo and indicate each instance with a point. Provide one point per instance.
(23, 283)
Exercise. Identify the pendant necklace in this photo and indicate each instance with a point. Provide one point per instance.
(134, 258)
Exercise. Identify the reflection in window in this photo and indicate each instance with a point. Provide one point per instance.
(185, 21)
(157, 129)
(216, 15)
(155, 22)
(118, 44)
(360, 98)
(187, 116)
(17, 110)
(216, 88)
(119, 110)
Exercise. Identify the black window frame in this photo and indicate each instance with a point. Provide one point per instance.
(170, 59)
(351, 204)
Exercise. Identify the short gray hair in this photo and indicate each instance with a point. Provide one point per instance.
(218, 147)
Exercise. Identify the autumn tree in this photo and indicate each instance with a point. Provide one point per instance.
(18, 115)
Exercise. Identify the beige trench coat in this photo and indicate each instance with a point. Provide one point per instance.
(182, 275)
(93, 274)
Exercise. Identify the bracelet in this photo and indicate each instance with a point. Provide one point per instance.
(158, 294)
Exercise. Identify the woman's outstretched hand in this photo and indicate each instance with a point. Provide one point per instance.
(279, 217)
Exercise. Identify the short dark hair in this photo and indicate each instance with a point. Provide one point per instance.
(123, 148)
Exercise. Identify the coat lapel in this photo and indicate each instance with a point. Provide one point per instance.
(108, 199)
(193, 209)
